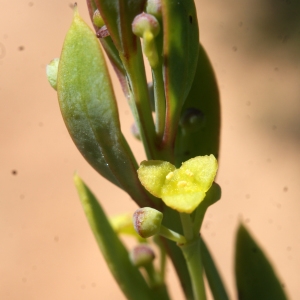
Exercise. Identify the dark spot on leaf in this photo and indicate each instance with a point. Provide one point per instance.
(191, 19)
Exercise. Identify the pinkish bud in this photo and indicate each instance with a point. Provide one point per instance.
(141, 255)
(154, 8)
(147, 221)
(145, 23)
(102, 32)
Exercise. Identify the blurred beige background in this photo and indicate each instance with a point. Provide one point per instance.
(47, 250)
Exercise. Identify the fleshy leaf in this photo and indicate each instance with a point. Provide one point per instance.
(128, 276)
(180, 54)
(181, 189)
(90, 112)
(255, 277)
(199, 129)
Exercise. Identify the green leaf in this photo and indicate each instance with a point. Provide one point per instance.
(255, 277)
(90, 112)
(212, 274)
(180, 54)
(128, 276)
(199, 130)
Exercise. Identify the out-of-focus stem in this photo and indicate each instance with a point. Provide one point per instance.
(172, 235)
(192, 254)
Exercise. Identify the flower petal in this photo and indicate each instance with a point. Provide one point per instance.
(202, 169)
(153, 173)
(184, 203)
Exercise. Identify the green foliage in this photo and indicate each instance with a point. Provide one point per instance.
(255, 277)
(90, 111)
(126, 274)
(178, 122)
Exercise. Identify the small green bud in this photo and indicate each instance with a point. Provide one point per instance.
(141, 255)
(145, 23)
(147, 27)
(154, 8)
(97, 19)
(51, 71)
(147, 221)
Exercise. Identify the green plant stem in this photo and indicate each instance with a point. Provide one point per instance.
(192, 254)
(187, 226)
(172, 235)
(162, 257)
(156, 283)
(160, 100)
(139, 101)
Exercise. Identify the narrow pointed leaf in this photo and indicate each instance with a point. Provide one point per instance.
(128, 276)
(255, 276)
(212, 274)
(180, 54)
(199, 130)
(90, 112)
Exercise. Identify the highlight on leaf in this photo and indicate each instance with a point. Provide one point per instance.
(182, 189)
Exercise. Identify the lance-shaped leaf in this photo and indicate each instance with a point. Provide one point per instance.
(126, 274)
(180, 54)
(199, 130)
(182, 189)
(212, 274)
(90, 111)
(255, 277)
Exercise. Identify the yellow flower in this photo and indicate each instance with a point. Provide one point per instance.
(182, 189)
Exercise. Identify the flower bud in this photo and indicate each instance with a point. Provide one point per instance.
(154, 8)
(147, 27)
(102, 32)
(141, 255)
(145, 23)
(147, 221)
(51, 71)
(97, 19)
